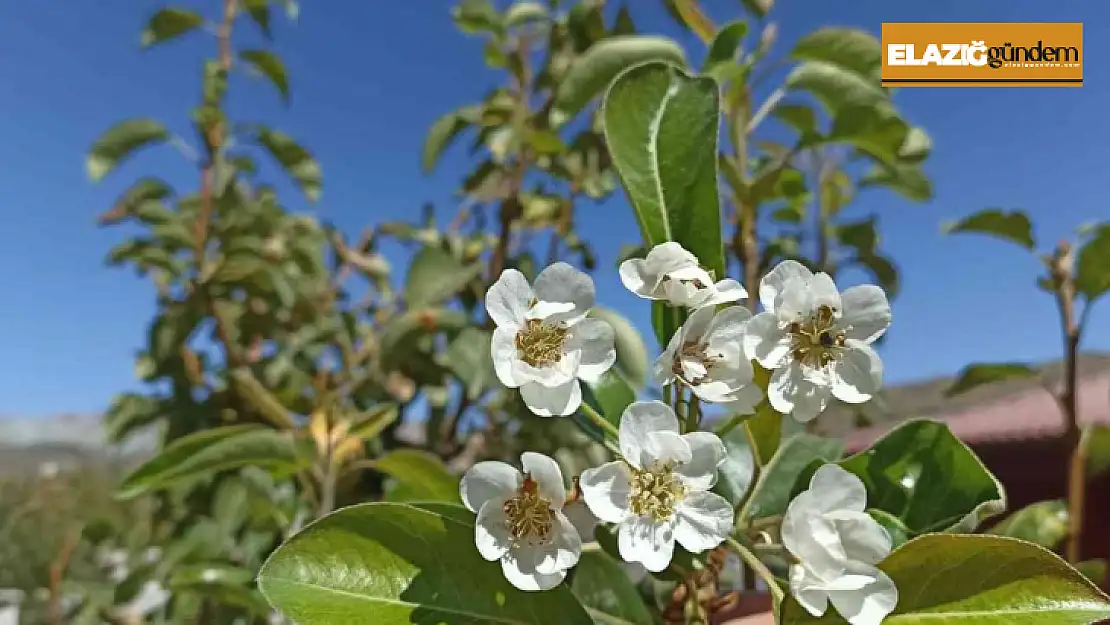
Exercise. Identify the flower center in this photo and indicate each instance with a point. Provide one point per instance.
(692, 350)
(530, 516)
(541, 344)
(655, 491)
(815, 341)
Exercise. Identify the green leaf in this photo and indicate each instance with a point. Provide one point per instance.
(270, 66)
(606, 592)
(848, 48)
(259, 11)
(1096, 446)
(524, 12)
(609, 396)
(468, 357)
(666, 320)
(370, 424)
(443, 132)
(632, 354)
(799, 116)
(121, 141)
(661, 126)
(169, 23)
(475, 16)
(922, 474)
(735, 473)
(1044, 523)
(396, 563)
(435, 276)
(1094, 570)
(420, 476)
(772, 491)
(978, 580)
(1092, 267)
(623, 24)
(884, 271)
(897, 530)
(834, 86)
(297, 162)
(260, 398)
(905, 179)
(209, 451)
(725, 45)
(1009, 226)
(759, 8)
(591, 72)
(978, 374)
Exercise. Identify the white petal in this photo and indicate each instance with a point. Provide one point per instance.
(563, 283)
(556, 374)
(547, 401)
(508, 299)
(728, 326)
(807, 591)
(547, 475)
(765, 340)
(639, 419)
(824, 293)
(697, 324)
(583, 520)
(866, 312)
(724, 292)
(486, 480)
(564, 549)
(606, 491)
(857, 374)
(525, 577)
(693, 369)
(792, 390)
(772, 284)
(664, 447)
(812, 538)
(550, 310)
(491, 529)
(503, 351)
(669, 256)
(870, 604)
(594, 338)
(704, 521)
(664, 365)
(688, 286)
(635, 278)
(835, 488)
(706, 453)
(641, 539)
(795, 301)
(745, 399)
(864, 540)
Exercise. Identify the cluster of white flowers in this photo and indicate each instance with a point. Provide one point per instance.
(816, 342)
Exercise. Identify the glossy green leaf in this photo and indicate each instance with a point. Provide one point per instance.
(978, 580)
(603, 587)
(661, 126)
(210, 451)
(772, 491)
(590, 73)
(468, 357)
(298, 163)
(121, 141)
(1044, 523)
(848, 48)
(1010, 226)
(169, 23)
(394, 563)
(1094, 570)
(419, 475)
(799, 116)
(270, 66)
(443, 132)
(978, 374)
(894, 526)
(435, 276)
(632, 354)
(725, 46)
(922, 474)
(1092, 265)
(835, 86)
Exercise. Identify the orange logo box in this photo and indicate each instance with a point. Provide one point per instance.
(933, 54)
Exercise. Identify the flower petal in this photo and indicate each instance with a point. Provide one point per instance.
(707, 452)
(583, 520)
(793, 390)
(824, 293)
(560, 282)
(728, 326)
(744, 399)
(812, 538)
(771, 286)
(547, 475)
(491, 529)
(635, 277)
(640, 419)
(669, 256)
(504, 353)
(766, 341)
(866, 313)
(606, 490)
(688, 286)
(564, 549)
(807, 591)
(724, 292)
(863, 538)
(551, 401)
(524, 576)
(704, 521)
(697, 325)
(641, 539)
(664, 447)
(834, 488)
(795, 302)
(508, 299)
(868, 605)
(664, 364)
(595, 339)
(486, 480)
(858, 374)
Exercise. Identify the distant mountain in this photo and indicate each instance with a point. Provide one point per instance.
(66, 440)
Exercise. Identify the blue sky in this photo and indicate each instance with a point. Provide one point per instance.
(370, 77)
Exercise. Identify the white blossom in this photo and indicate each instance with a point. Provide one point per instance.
(671, 273)
(520, 520)
(659, 492)
(837, 546)
(544, 344)
(817, 340)
(707, 354)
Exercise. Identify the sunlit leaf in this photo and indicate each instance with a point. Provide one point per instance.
(269, 65)
(1010, 226)
(121, 141)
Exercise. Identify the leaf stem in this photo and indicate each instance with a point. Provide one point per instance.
(598, 420)
(755, 564)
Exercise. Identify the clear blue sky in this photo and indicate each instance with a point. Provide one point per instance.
(369, 77)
